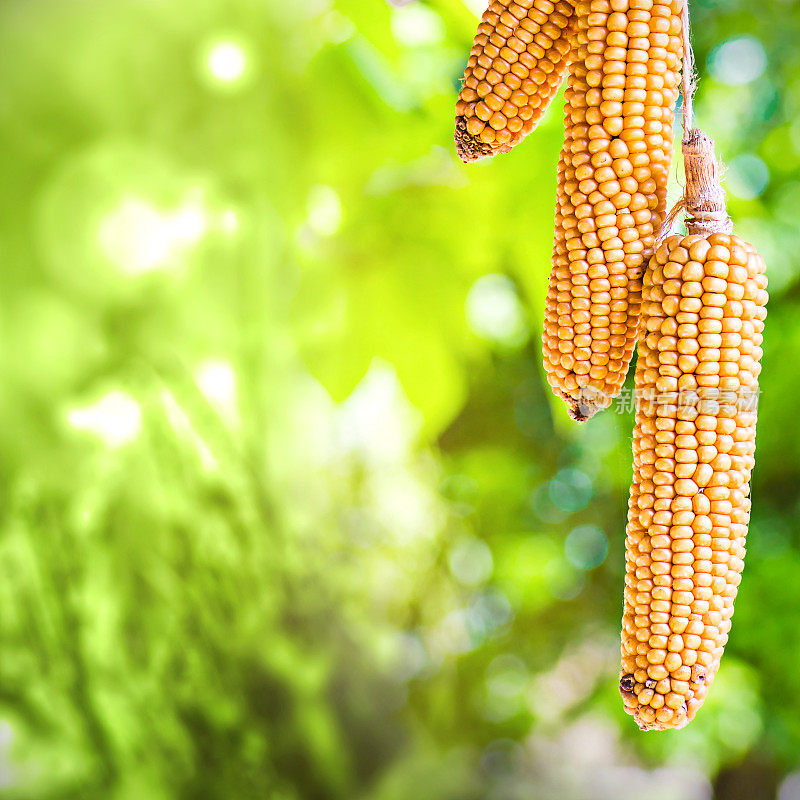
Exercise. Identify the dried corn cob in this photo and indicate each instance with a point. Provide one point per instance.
(703, 314)
(516, 65)
(612, 185)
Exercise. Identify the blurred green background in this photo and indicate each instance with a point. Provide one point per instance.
(287, 510)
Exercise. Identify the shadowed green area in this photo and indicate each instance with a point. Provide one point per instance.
(288, 511)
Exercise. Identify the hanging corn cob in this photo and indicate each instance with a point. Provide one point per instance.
(703, 314)
(516, 65)
(612, 183)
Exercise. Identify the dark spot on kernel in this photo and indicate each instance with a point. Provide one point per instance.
(627, 683)
(649, 684)
(698, 674)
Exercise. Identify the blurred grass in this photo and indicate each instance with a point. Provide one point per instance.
(286, 503)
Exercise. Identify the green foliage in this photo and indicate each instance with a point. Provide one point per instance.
(288, 510)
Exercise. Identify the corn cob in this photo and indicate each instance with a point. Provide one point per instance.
(704, 305)
(612, 183)
(516, 65)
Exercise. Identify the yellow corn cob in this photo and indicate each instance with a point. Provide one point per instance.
(704, 305)
(516, 65)
(612, 185)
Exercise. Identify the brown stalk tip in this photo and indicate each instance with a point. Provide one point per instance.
(583, 407)
(576, 412)
(467, 146)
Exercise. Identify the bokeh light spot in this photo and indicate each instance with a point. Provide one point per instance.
(416, 25)
(216, 379)
(506, 681)
(135, 237)
(138, 238)
(494, 311)
(747, 176)
(187, 224)
(337, 27)
(471, 562)
(412, 658)
(229, 222)
(586, 547)
(227, 62)
(115, 418)
(489, 610)
(543, 506)
(570, 490)
(507, 676)
(324, 209)
(738, 61)
(451, 636)
(376, 420)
